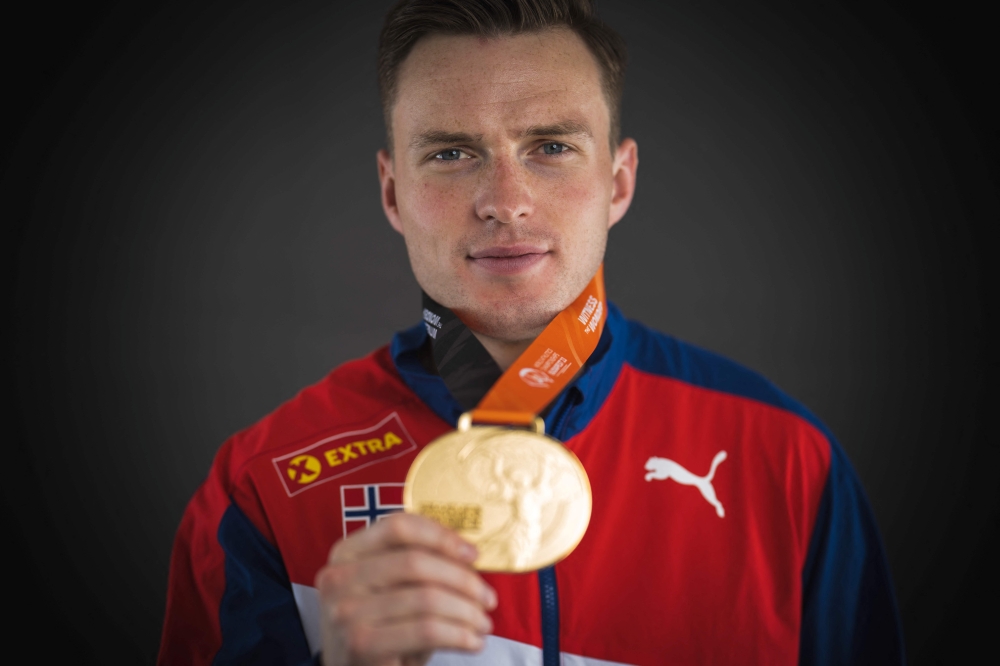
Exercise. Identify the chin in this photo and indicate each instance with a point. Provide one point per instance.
(511, 309)
(511, 320)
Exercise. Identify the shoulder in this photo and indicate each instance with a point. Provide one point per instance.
(355, 392)
(663, 356)
(708, 396)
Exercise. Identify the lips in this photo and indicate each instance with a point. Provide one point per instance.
(507, 251)
(508, 259)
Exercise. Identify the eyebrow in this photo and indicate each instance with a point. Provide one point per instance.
(561, 128)
(440, 137)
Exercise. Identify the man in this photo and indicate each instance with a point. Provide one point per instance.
(727, 525)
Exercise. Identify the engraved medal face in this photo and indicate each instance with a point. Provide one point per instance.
(522, 498)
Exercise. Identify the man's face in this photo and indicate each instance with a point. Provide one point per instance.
(502, 182)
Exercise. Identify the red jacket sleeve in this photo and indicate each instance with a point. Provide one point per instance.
(229, 599)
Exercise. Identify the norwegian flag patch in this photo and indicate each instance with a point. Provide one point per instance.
(362, 505)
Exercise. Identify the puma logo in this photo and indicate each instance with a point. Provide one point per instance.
(664, 468)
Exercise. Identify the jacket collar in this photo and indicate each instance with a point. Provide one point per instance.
(568, 414)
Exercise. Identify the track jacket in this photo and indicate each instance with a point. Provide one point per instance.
(728, 526)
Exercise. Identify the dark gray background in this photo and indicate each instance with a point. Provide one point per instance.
(195, 234)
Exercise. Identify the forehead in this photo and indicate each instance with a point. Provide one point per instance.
(469, 83)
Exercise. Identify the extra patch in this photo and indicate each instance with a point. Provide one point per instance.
(337, 456)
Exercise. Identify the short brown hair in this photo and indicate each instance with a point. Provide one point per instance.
(410, 20)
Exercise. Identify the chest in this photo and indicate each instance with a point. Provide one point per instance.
(691, 550)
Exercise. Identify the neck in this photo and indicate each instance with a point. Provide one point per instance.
(503, 352)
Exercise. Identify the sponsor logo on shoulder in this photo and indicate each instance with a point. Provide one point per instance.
(339, 455)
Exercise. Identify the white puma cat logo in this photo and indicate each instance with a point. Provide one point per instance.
(664, 468)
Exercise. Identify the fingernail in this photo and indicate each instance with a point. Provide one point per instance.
(490, 597)
(476, 642)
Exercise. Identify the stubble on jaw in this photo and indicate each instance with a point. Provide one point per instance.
(507, 314)
(510, 320)
(507, 308)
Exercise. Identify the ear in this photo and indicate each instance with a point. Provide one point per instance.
(623, 174)
(387, 181)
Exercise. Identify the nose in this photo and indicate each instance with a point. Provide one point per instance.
(505, 193)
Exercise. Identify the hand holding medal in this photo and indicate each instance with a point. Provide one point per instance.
(522, 498)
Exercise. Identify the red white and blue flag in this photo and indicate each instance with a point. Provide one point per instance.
(364, 504)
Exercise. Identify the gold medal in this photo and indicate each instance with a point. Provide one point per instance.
(521, 497)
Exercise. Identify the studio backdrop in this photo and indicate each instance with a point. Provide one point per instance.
(196, 235)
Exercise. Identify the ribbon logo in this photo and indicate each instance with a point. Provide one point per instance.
(535, 377)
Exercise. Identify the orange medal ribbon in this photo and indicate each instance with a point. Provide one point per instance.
(547, 366)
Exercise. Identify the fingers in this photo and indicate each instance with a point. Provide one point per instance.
(374, 643)
(423, 601)
(404, 586)
(401, 621)
(383, 571)
(414, 566)
(401, 530)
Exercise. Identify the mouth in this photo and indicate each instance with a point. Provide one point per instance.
(508, 259)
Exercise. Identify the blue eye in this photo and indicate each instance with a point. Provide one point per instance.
(553, 148)
(449, 155)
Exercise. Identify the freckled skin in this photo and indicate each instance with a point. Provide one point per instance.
(558, 193)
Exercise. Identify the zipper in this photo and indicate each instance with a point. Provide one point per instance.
(549, 593)
(547, 587)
